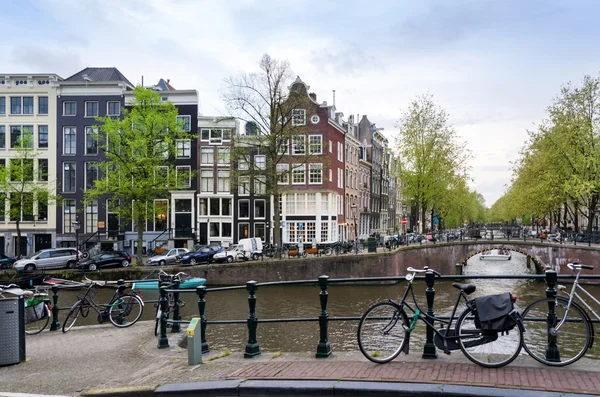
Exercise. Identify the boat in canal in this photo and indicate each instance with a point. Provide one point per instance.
(191, 282)
(495, 255)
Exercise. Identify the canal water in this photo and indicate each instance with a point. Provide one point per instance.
(344, 300)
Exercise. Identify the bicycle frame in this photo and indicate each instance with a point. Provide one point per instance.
(573, 294)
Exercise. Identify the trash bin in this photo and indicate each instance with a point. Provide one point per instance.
(372, 244)
(12, 330)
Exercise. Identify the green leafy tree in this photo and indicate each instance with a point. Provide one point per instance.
(29, 193)
(138, 167)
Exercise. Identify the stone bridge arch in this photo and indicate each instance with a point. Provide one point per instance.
(531, 258)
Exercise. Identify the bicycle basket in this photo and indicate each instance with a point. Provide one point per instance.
(35, 310)
(496, 313)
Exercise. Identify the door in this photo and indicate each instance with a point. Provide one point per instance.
(42, 242)
(203, 234)
(113, 225)
(183, 225)
(2, 245)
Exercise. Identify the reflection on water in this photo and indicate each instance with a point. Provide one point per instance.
(344, 300)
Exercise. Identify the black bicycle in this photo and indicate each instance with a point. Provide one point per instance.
(164, 277)
(384, 330)
(123, 310)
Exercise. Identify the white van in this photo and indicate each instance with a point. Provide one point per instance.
(252, 246)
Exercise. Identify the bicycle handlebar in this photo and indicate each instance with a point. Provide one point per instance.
(578, 266)
(424, 270)
(8, 286)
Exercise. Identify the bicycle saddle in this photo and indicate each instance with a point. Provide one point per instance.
(468, 288)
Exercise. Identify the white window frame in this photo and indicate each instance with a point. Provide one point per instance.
(264, 203)
(85, 171)
(295, 168)
(244, 163)
(108, 107)
(205, 150)
(283, 174)
(183, 118)
(226, 179)
(207, 130)
(243, 186)
(74, 165)
(210, 187)
(85, 108)
(310, 144)
(312, 167)
(298, 117)
(262, 164)
(223, 159)
(186, 145)
(95, 132)
(239, 209)
(188, 185)
(74, 129)
(260, 185)
(65, 107)
(301, 138)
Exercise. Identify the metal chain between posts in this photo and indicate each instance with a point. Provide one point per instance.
(201, 292)
(323, 348)
(252, 348)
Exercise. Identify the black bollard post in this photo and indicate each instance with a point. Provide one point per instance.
(429, 348)
(552, 352)
(55, 326)
(323, 348)
(201, 292)
(252, 348)
(176, 305)
(163, 341)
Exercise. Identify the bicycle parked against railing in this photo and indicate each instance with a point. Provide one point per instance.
(123, 309)
(560, 330)
(37, 306)
(384, 330)
(164, 277)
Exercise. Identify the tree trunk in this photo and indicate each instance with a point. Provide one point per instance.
(422, 223)
(18, 243)
(565, 210)
(276, 221)
(139, 226)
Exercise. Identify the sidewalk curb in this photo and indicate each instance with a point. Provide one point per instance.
(139, 391)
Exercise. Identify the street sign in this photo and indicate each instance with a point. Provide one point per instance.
(282, 223)
(300, 226)
(404, 221)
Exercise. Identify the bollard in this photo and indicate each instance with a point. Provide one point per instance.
(55, 326)
(194, 344)
(252, 348)
(429, 348)
(323, 348)
(552, 353)
(176, 327)
(163, 341)
(201, 292)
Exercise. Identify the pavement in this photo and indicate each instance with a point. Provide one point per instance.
(108, 361)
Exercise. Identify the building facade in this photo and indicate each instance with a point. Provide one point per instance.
(353, 180)
(28, 114)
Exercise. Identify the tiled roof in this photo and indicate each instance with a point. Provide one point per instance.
(163, 85)
(100, 74)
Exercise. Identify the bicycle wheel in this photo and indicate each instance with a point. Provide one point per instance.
(126, 311)
(490, 350)
(37, 325)
(381, 332)
(72, 317)
(573, 337)
(327, 251)
(157, 322)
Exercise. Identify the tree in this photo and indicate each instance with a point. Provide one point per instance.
(433, 159)
(138, 167)
(264, 101)
(29, 193)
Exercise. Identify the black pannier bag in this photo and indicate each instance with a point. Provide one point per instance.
(496, 313)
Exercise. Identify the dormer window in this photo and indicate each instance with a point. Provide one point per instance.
(298, 117)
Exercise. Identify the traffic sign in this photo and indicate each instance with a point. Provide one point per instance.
(404, 221)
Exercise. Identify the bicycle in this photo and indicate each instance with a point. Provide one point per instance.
(565, 326)
(123, 310)
(37, 307)
(164, 277)
(384, 329)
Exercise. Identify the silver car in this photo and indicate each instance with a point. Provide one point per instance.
(52, 258)
(168, 257)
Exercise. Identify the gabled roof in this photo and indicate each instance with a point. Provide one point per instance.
(99, 74)
(163, 85)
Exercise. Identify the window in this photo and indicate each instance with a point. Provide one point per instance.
(2, 206)
(26, 169)
(27, 105)
(260, 161)
(298, 174)
(330, 147)
(324, 231)
(259, 209)
(244, 185)
(69, 177)
(226, 206)
(315, 174)
(70, 140)
(330, 175)
(43, 105)
(311, 203)
(223, 156)
(214, 229)
(113, 108)
(69, 108)
(91, 109)
(2, 137)
(315, 119)
(184, 148)
(43, 170)
(298, 144)
(214, 206)
(183, 173)
(206, 181)
(324, 203)
(204, 134)
(290, 204)
(259, 231)
(260, 185)
(21, 136)
(223, 181)
(91, 141)
(42, 201)
(91, 217)
(226, 229)
(16, 105)
(203, 206)
(207, 155)
(299, 117)
(91, 174)
(185, 122)
(243, 229)
(68, 216)
(215, 136)
(42, 136)
(243, 163)
(2, 105)
(315, 144)
(244, 209)
(283, 174)
(161, 212)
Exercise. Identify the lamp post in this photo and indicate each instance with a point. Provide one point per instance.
(76, 226)
(404, 225)
(354, 211)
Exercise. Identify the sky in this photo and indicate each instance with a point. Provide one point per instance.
(494, 66)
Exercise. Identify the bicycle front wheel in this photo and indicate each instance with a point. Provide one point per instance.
(126, 311)
(36, 325)
(490, 350)
(381, 332)
(572, 339)
(72, 317)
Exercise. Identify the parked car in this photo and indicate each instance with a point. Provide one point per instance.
(168, 257)
(51, 258)
(203, 253)
(106, 259)
(233, 253)
(6, 262)
(253, 247)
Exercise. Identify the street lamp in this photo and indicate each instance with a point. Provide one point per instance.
(76, 227)
(354, 211)
(404, 225)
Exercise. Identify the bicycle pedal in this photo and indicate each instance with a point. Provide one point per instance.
(448, 352)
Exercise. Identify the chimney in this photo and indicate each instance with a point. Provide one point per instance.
(313, 96)
(334, 98)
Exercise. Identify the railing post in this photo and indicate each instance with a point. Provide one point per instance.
(120, 283)
(55, 326)
(176, 327)
(252, 348)
(163, 341)
(323, 348)
(429, 348)
(552, 353)
(201, 292)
